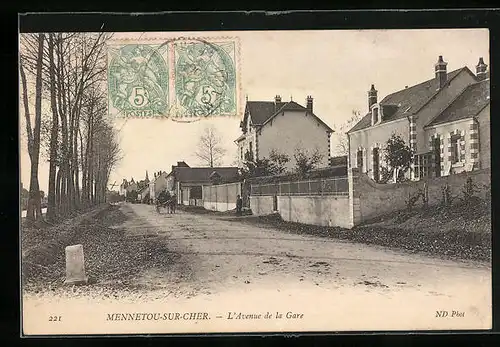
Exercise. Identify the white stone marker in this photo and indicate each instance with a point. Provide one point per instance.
(75, 265)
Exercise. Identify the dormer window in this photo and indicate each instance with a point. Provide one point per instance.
(376, 115)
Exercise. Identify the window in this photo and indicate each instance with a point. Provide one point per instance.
(422, 165)
(241, 153)
(359, 159)
(455, 148)
(250, 148)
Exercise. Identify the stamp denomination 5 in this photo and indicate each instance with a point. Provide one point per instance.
(177, 78)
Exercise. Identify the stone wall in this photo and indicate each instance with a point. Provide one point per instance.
(261, 205)
(316, 210)
(378, 199)
(484, 138)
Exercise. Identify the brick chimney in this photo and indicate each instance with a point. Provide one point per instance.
(440, 70)
(481, 69)
(309, 103)
(277, 100)
(372, 97)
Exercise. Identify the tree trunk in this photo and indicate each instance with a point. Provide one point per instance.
(30, 214)
(63, 108)
(58, 190)
(34, 204)
(51, 195)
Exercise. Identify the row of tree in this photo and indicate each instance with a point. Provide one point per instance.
(277, 163)
(65, 75)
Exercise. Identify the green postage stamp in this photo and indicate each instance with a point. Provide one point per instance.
(175, 78)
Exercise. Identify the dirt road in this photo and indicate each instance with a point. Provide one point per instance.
(226, 265)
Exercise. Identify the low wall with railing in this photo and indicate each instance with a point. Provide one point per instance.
(349, 201)
(323, 201)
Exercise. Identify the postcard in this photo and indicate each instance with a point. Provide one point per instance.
(255, 181)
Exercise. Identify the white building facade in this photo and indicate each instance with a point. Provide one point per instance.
(285, 128)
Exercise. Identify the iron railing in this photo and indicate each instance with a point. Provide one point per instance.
(323, 186)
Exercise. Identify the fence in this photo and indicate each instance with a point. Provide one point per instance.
(322, 186)
(221, 197)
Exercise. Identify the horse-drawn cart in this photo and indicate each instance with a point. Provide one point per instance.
(168, 204)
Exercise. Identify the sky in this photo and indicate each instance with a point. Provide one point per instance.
(335, 67)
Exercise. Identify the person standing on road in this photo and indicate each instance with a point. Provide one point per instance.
(173, 203)
(239, 205)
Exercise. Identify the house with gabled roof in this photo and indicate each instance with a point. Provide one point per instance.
(444, 120)
(189, 181)
(283, 127)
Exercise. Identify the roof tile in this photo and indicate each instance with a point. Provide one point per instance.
(202, 174)
(468, 104)
(262, 111)
(406, 101)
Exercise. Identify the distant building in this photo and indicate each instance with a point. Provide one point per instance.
(157, 184)
(132, 185)
(123, 187)
(164, 181)
(187, 182)
(282, 127)
(444, 120)
(139, 187)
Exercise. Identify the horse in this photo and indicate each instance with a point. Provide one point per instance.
(160, 204)
(169, 204)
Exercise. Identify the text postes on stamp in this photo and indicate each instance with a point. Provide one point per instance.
(177, 78)
(205, 78)
(137, 80)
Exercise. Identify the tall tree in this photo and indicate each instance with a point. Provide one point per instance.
(306, 161)
(51, 198)
(34, 211)
(278, 162)
(397, 155)
(210, 150)
(82, 149)
(274, 165)
(342, 147)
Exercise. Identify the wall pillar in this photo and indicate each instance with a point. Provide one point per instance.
(413, 144)
(355, 217)
(441, 150)
(449, 153)
(474, 144)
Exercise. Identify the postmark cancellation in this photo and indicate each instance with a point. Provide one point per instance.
(175, 78)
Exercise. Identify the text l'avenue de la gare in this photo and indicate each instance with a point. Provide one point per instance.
(195, 316)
